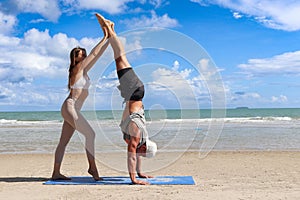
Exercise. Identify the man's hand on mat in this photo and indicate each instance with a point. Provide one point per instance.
(144, 176)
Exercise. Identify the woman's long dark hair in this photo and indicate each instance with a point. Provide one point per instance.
(73, 54)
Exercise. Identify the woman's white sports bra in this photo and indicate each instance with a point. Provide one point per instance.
(82, 83)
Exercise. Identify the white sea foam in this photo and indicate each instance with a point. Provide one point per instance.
(19, 122)
(260, 133)
(5, 122)
(232, 119)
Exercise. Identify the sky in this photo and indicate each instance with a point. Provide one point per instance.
(192, 54)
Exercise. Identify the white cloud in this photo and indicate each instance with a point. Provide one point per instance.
(250, 99)
(48, 9)
(36, 21)
(154, 21)
(34, 69)
(7, 23)
(175, 65)
(237, 15)
(109, 6)
(280, 99)
(245, 95)
(276, 14)
(37, 54)
(112, 6)
(7, 41)
(158, 3)
(201, 2)
(52, 10)
(287, 63)
(170, 87)
(177, 86)
(255, 99)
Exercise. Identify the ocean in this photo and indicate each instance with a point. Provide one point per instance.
(173, 130)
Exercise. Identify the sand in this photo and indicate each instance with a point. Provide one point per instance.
(219, 175)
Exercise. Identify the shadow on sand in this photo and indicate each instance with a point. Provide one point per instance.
(23, 179)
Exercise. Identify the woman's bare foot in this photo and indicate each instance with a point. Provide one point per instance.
(59, 177)
(95, 175)
(110, 24)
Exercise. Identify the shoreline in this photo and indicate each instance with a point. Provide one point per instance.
(160, 151)
(219, 175)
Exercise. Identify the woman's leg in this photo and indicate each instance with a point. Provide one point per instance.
(84, 128)
(73, 119)
(67, 111)
(66, 134)
(81, 124)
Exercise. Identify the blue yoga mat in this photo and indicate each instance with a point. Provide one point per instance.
(121, 180)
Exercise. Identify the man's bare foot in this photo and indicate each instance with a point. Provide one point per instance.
(101, 19)
(59, 177)
(111, 28)
(107, 25)
(95, 175)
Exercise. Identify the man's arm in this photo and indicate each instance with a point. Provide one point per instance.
(139, 168)
(132, 159)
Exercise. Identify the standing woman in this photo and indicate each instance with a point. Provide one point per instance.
(78, 85)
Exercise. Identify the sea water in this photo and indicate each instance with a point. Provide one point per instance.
(172, 130)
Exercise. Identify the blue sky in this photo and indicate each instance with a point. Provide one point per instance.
(252, 45)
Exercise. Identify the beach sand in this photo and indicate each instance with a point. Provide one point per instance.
(219, 175)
